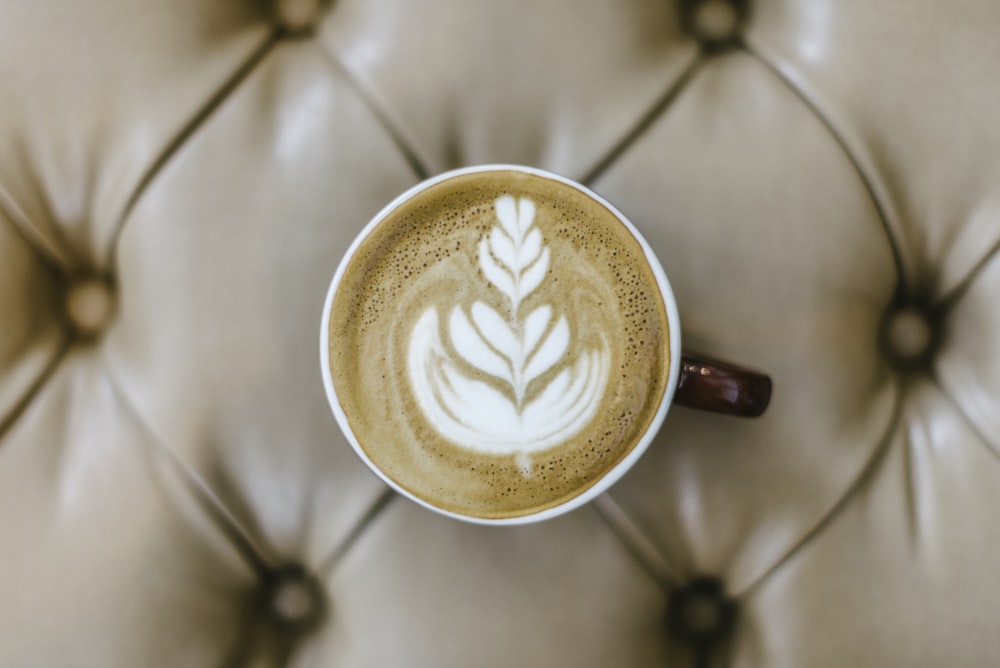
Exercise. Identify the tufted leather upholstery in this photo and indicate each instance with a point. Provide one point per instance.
(178, 180)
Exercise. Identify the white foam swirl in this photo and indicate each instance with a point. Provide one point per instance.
(514, 351)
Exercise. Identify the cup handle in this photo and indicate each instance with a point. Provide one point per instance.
(720, 387)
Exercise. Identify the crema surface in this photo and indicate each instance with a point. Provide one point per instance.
(498, 343)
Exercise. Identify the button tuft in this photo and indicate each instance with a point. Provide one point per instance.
(300, 16)
(700, 613)
(714, 23)
(293, 599)
(909, 338)
(89, 305)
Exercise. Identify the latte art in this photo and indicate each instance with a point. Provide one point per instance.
(498, 343)
(512, 349)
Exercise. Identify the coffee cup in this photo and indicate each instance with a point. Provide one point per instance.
(500, 345)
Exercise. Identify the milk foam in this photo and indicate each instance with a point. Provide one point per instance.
(514, 350)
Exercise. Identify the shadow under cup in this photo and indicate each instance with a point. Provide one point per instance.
(500, 344)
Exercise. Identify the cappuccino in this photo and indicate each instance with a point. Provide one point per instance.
(497, 343)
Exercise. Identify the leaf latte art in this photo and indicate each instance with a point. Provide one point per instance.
(519, 351)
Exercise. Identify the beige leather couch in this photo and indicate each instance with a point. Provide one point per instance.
(178, 180)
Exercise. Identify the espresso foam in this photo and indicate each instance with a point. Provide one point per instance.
(498, 343)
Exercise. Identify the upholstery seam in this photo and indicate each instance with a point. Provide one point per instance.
(217, 511)
(869, 181)
(188, 129)
(382, 117)
(21, 406)
(47, 251)
(636, 542)
(953, 296)
(377, 507)
(992, 447)
(646, 120)
(866, 474)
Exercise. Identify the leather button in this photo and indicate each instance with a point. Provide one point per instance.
(701, 613)
(89, 305)
(300, 16)
(293, 599)
(714, 23)
(908, 337)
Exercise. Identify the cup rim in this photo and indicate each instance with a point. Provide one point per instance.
(611, 476)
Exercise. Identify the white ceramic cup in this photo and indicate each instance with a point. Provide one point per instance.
(733, 388)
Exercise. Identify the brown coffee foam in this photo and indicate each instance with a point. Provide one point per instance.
(426, 253)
